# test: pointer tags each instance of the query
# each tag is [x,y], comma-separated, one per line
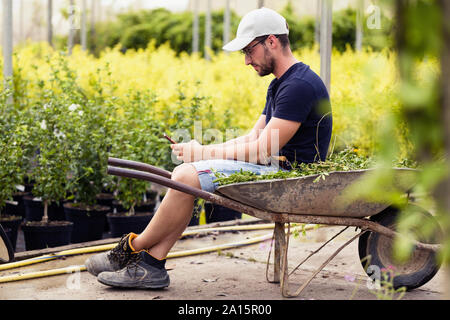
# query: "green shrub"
[301,30]
[15,147]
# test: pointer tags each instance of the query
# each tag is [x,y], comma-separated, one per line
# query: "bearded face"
[267,64]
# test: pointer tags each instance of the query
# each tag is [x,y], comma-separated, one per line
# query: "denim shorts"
[226,167]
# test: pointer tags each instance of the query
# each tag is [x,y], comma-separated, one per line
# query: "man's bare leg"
[172,216]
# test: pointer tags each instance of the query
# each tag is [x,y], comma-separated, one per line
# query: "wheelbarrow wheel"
[375,250]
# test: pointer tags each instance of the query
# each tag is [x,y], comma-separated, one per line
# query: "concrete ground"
[232,274]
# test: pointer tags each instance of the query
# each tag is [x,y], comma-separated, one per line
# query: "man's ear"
[273,41]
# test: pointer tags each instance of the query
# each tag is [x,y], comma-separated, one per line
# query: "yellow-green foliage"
[363,85]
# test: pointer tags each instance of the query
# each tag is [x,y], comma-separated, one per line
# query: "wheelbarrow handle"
[167,182]
[139,166]
[159,179]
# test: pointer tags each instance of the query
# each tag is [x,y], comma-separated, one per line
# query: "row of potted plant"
[59,141]
[14,146]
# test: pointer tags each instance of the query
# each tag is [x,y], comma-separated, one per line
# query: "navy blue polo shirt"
[300,95]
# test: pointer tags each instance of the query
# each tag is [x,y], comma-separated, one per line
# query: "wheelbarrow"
[311,200]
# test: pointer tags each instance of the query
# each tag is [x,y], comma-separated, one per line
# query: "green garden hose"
[175,254]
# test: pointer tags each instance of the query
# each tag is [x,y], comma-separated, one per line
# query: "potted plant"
[10,176]
[133,211]
[16,205]
[137,137]
[87,172]
[15,147]
[107,197]
[49,172]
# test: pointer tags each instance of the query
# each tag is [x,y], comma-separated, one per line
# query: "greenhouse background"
[84,80]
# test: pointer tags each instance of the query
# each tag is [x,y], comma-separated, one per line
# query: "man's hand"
[188,152]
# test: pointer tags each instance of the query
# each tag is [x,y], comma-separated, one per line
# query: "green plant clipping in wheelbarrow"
[336,187]
[346,160]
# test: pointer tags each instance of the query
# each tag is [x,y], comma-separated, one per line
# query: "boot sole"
[136,285]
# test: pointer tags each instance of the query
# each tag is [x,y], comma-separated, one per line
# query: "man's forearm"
[239,140]
[251,151]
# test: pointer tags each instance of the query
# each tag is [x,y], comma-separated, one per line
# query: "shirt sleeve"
[294,101]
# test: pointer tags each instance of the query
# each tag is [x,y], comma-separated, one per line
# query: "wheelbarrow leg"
[284,266]
[280,243]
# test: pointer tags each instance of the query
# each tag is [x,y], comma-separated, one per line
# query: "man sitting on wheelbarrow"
[295,125]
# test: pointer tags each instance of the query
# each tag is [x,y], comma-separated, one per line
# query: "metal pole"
[195,28]
[71,26]
[99,9]
[208,30]
[7,40]
[317,25]
[326,42]
[49,22]
[21,31]
[93,25]
[359,24]
[83,26]
[226,22]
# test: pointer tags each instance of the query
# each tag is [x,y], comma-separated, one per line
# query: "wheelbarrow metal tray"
[309,195]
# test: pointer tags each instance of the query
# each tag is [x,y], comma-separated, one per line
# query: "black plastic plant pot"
[12,223]
[148,206]
[28,184]
[105,199]
[39,235]
[151,195]
[17,208]
[117,207]
[216,213]
[88,222]
[121,223]
[56,212]
[34,210]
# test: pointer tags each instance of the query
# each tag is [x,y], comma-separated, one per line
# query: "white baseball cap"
[256,23]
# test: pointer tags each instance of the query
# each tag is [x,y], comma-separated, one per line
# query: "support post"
[359,24]
[226,22]
[208,34]
[49,22]
[317,22]
[21,21]
[7,41]
[92,31]
[70,38]
[83,25]
[195,28]
[326,42]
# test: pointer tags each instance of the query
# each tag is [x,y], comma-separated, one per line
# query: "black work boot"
[142,272]
[112,260]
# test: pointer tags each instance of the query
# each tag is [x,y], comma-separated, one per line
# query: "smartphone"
[168,138]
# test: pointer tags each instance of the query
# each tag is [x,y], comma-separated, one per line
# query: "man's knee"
[187,174]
